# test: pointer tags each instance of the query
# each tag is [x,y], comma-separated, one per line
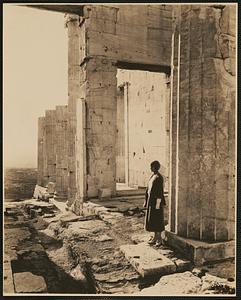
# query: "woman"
[155,202]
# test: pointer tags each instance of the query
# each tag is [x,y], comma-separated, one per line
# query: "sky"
[35,66]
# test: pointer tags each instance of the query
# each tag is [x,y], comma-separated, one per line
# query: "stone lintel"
[200,252]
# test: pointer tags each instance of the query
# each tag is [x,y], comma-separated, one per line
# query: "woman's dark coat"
[154,220]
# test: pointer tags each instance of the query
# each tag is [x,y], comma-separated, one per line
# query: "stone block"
[147,261]
[104,193]
[27,282]
[101,25]
[200,252]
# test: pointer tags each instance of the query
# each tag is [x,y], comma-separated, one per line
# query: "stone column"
[41,133]
[92,118]
[50,144]
[76,55]
[61,152]
[126,132]
[203,123]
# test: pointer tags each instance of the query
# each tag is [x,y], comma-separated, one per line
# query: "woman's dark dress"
[154,220]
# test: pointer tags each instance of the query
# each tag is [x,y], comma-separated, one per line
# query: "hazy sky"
[35,77]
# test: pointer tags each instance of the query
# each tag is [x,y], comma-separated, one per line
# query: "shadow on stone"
[57,280]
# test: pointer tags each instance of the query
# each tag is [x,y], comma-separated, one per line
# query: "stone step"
[150,261]
[131,192]
[147,261]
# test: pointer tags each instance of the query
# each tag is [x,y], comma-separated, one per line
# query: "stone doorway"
[142,126]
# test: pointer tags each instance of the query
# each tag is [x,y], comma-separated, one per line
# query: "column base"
[200,252]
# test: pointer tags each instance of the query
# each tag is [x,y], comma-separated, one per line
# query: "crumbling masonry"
[195,47]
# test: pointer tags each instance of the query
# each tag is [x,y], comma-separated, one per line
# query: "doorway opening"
[142,127]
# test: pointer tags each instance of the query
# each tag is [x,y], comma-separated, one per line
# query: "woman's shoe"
[151,241]
[159,243]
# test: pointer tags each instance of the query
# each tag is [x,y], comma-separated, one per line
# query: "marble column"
[203,128]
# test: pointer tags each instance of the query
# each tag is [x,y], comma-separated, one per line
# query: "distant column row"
[53,149]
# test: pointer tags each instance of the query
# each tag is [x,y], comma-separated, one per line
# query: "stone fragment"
[78,274]
[175,284]
[103,238]
[211,282]
[41,193]
[69,217]
[51,188]
[48,215]
[27,282]
[147,261]
[140,238]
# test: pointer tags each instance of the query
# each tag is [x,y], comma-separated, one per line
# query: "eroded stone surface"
[27,282]
[175,284]
[8,286]
[147,261]
[210,282]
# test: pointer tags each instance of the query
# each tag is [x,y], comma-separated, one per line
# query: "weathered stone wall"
[147,131]
[203,105]
[130,33]
[98,41]
[203,123]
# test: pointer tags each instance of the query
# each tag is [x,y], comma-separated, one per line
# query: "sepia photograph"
[119,149]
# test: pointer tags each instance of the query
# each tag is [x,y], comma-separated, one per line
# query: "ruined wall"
[147,132]
[98,41]
[203,123]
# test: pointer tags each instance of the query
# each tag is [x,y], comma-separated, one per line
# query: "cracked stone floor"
[105,251]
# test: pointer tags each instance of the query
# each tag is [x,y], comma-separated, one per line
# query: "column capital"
[69,18]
